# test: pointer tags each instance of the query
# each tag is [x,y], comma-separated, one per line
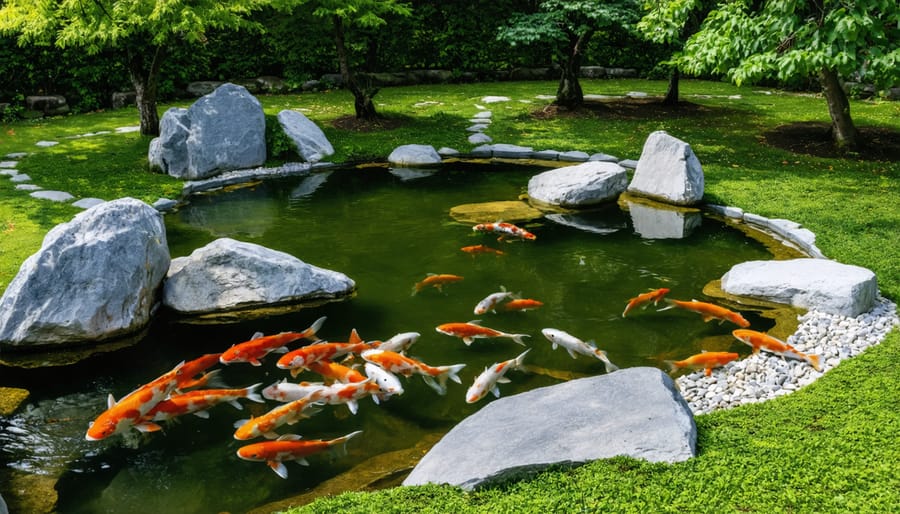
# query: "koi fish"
[348,394]
[493,375]
[435,376]
[197,402]
[505,230]
[476,249]
[289,447]
[643,300]
[285,391]
[399,343]
[130,411]
[522,304]
[259,346]
[435,281]
[706,361]
[387,381]
[288,413]
[761,341]
[709,311]
[470,331]
[335,371]
[574,345]
[190,369]
[301,358]
[490,302]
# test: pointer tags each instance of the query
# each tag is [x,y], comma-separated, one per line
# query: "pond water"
[386,232]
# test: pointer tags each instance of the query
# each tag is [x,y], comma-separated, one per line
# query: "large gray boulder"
[668,171]
[414,155]
[818,284]
[94,278]
[635,412]
[228,275]
[309,139]
[581,185]
[224,130]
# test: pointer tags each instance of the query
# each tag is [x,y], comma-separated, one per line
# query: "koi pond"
[386,230]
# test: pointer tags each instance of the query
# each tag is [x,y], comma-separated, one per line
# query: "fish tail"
[213,380]
[610,367]
[673,366]
[253,395]
[310,333]
[518,338]
[520,360]
[813,361]
[670,304]
[340,444]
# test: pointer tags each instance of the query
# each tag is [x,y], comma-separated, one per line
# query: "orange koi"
[505,230]
[761,341]
[643,300]
[470,331]
[259,346]
[190,370]
[522,304]
[705,360]
[436,281]
[335,371]
[287,413]
[709,311]
[300,359]
[477,249]
[435,376]
[197,402]
[130,411]
[289,447]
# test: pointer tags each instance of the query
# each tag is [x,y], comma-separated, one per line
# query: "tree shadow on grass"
[814,138]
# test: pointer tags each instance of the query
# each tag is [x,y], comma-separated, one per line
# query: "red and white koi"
[436,281]
[349,394]
[399,343]
[130,411]
[197,402]
[285,391]
[504,230]
[708,311]
[435,376]
[761,341]
[490,302]
[259,346]
[472,330]
[300,359]
[522,304]
[643,300]
[493,375]
[290,447]
[574,345]
[288,413]
[705,361]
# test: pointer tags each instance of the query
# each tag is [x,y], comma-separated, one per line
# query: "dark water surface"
[386,234]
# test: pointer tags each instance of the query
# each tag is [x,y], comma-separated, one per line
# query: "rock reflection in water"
[651,222]
[308,186]
[406,174]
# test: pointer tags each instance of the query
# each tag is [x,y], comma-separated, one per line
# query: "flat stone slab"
[494,99]
[21,177]
[28,187]
[635,412]
[46,144]
[16,155]
[87,203]
[480,138]
[819,284]
[8,164]
[54,196]
[10,172]
[512,211]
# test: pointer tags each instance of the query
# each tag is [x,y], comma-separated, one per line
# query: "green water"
[386,234]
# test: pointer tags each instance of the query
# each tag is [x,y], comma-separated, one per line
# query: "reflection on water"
[663,223]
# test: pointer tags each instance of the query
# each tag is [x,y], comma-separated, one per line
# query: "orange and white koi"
[477,249]
[399,342]
[472,330]
[336,372]
[435,376]
[705,361]
[491,376]
[259,346]
[130,411]
[387,382]
[574,345]
[504,230]
[300,359]
[197,402]
[761,341]
[285,391]
[349,394]
[436,281]
[708,311]
[288,413]
[643,300]
[290,447]
[522,304]
[490,302]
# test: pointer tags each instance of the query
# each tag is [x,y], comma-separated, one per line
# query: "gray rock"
[203,87]
[480,138]
[483,115]
[602,157]
[574,156]
[819,284]
[123,98]
[9,164]
[28,187]
[309,139]
[53,196]
[547,155]
[164,204]
[16,155]
[87,203]
[270,84]
[580,185]
[635,412]
[628,163]
[169,152]
[49,105]
[446,151]
[511,151]
[20,177]
[668,171]
[46,144]
[228,275]
[9,172]
[494,99]
[414,155]
[95,278]
[482,150]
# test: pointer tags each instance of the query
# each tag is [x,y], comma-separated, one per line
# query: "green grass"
[831,447]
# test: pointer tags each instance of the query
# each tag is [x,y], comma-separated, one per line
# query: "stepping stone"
[550,97]
[480,138]
[46,144]
[483,115]
[55,196]
[480,121]
[16,155]
[125,130]
[446,151]
[628,163]
[8,164]
[477,128]
[574,156]
[8,171]
[29,187]
[602,157]
[20,178]
[547,155]
[495,99]
[87,203]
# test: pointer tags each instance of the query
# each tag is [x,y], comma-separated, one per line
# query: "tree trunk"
[672,92]
[145,79]
[362,96]
[843,131]
[569,93]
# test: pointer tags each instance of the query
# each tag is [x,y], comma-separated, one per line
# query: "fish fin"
[707,372]
[302,461]
[475,322]
[241,422]
[234,403]
[147,426]
[468,340]
[310,333]
[813,361]
[610,367]
[354,337]
[295,372]
[202,414]
[496,391]
[110,400]
[375,399]
[672,366]
[520,359]
[503,380]
[572,353]
[255,362]
[281,349]
[253,395]
[432,383]
[256,335]
[270,435]
[278,467]
[518,338]
[554,345]
[670,305]
[290,437]
[353,405]
[214,380]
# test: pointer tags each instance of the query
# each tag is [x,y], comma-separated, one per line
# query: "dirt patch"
[354,124]
[627,109]
[814,138]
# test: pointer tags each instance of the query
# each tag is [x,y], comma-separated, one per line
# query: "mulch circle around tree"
[354,124]
[814,138]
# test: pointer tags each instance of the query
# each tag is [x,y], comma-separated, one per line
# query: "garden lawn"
[830,447]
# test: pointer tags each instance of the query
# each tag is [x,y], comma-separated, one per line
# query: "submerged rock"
[10,399]
[635,412]
[511,211]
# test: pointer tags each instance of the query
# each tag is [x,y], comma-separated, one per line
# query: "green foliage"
[278,144]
